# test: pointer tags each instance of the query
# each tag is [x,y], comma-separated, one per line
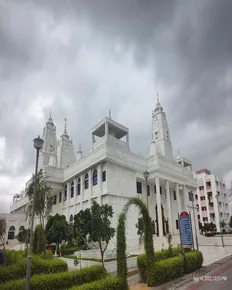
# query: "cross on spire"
[110,114]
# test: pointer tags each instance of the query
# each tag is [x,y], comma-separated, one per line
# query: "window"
[11,233]
[65,191]
[148,190]
[160,190]
[156,135]
[174,195]
[95,177]
[205,219]
[54,199]
[177,224]
[198,216]
[60,196]
[202,197]
[104,176]
[167,135]
[71,219]
[201,188]
[203,208]
[79,186]
[21,228]
[196,197]
[139,187]
[154,188]
[86,181]
[72,189]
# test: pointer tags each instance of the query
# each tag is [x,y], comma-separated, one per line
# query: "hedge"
[193,261]
[59,281]
[167,270]
[11,257]
[109,283]
[39,266]
[65,249]
[171,268]
[159,255]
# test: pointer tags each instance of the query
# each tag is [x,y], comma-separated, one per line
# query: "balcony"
[202,192]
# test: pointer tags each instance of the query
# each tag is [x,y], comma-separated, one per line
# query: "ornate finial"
[110,114]
[65,126]
[178,152]
[79,150]
[157,98]
[50,114]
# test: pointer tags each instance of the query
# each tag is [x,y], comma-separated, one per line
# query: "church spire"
[65,134]
[161,140]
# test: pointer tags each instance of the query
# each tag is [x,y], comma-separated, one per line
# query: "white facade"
[211,198]
[111,173]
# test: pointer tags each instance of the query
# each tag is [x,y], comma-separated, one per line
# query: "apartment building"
[211,198]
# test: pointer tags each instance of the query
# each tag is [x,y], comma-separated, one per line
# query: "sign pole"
[191,229]
[179,229]
[194,220]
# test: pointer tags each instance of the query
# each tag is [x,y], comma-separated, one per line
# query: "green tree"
[56,230]
[140,227]
[82,227]
[23,237]
[38,240]
[101,231]
[2,232]
[230,222]
[169,238]
[43,202]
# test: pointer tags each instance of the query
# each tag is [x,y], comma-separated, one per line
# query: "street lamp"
[38,145]
[146,175]
[217,196]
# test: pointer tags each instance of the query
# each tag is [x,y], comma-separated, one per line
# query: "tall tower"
[65,150]
[161,140]
[49,150]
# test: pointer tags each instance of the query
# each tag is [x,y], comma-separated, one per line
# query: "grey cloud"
[78,54]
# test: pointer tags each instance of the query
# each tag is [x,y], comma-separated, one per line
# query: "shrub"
[166,270]
[12,256]
[193,261]
[69,251]
[109,283]
[49,255]
[159,255]
[39,266]
[59,280]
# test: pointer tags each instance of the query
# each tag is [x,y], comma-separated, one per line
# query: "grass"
[92,259]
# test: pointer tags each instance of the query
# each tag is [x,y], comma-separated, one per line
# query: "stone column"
[68,199]
[99,177]
[106,129]
[169,208]
[178,197]
[90,186]
[82,191]
[75,190]
[158,198]
[128,140]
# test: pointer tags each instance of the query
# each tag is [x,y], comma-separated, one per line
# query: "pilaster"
[169,208]
[160,223]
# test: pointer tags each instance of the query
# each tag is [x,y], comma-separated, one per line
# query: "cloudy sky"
[82,58]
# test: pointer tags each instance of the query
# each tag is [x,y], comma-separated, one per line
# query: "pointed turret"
[66,154]
[79,153]
[161,141]
[50,143]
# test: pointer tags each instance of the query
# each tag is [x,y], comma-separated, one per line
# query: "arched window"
[94,177]
[86,181]
[11,233]
[65,191]
[71,219]
[79,186]
[21,228]
[72,189]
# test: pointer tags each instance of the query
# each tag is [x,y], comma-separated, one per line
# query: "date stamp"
[209,278]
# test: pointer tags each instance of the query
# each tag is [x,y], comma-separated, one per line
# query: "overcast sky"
[82,58]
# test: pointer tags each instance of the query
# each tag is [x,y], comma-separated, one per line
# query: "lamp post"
[191,197]
[146,175]
[38,145]
[217,196]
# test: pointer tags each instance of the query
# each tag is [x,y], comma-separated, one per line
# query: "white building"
[211,198]
[111,173]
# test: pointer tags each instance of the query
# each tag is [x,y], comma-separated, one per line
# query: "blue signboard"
[186,231]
